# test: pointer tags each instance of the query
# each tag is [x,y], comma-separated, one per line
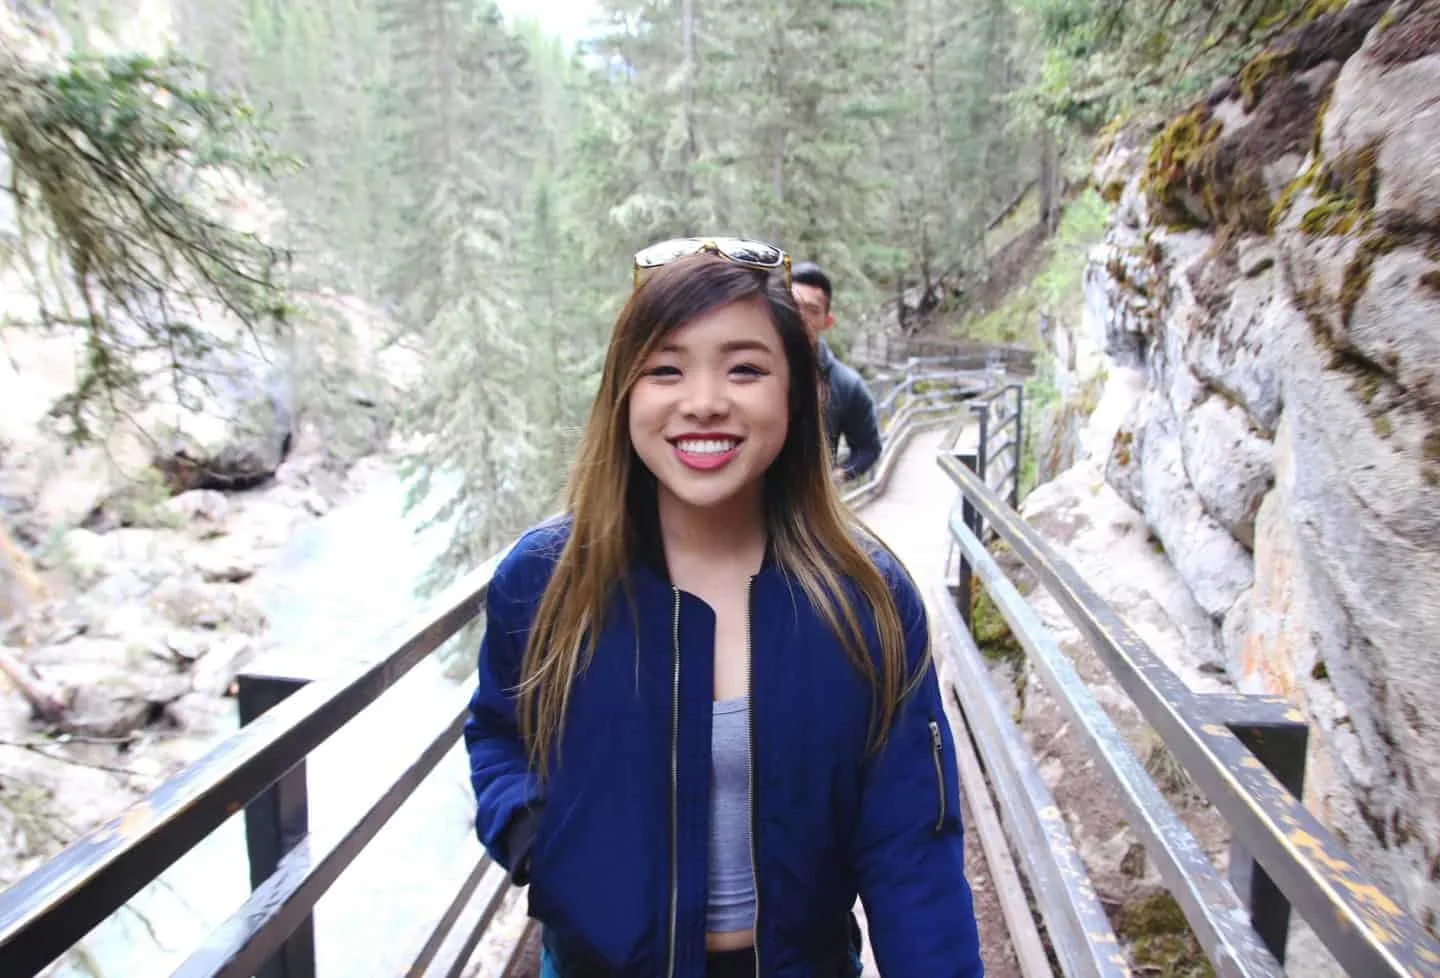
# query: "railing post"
[970,516]
[1281,748]
[1019,446]
[982,416]
[277,821]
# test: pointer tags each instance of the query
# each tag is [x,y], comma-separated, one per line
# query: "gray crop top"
[732,879]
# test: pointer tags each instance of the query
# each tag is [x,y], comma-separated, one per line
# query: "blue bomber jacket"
[617,869]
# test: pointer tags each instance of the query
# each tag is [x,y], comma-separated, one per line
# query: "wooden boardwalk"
[911,516]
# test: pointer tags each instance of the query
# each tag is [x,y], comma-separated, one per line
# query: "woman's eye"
[748,370]
[664,370]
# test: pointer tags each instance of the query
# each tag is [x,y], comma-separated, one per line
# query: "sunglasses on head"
[751,254]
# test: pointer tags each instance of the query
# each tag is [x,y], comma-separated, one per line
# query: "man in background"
[849,410]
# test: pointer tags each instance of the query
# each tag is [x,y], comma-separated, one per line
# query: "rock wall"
[1273,273]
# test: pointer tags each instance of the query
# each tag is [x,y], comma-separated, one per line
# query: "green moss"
[1178,159]
[992,633]
[1382,425]
[1388,20]
[1331,216]
[1161,942]
[1111,131]
[1319,672]
[1317,134]
[1292,190]
[1319,8]
[1168,773]
[1431,280]
[1258,71]
[1430,446]
[1367,385]
[1345,191]
[1357,272]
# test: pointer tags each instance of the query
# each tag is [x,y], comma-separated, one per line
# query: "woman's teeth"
[706,446]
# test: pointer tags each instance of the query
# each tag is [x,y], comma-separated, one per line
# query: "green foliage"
[1056,290]
[112,158]
[486,188]
[1143,57]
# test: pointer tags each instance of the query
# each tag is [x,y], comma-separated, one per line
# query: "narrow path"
[910,516]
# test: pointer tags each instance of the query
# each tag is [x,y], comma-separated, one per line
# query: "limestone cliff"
[1273,273]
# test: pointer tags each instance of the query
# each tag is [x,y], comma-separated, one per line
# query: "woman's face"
[711,408]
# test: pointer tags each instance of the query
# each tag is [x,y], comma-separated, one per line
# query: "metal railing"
[885,349]
[999,419]
[922,398]
[1244,753]
[261,770]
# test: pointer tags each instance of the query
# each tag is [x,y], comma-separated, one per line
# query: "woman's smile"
[706,453]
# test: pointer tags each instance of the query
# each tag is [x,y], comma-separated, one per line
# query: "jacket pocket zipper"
[937,751]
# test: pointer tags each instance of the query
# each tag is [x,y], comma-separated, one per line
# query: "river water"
[340,587]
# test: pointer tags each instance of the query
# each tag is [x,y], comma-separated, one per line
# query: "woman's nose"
[705,397]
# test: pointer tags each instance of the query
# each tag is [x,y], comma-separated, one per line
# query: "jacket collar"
[823,357]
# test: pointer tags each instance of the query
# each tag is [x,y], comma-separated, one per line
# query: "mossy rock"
[1161,941]
[1259,70]
[1357,272]
[1202,175]
[1407,32]
[1198,175]
[1343,193]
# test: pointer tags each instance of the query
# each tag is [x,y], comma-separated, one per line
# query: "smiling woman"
[710,410]
[705,718]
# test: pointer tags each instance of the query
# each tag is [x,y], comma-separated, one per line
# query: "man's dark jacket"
[849,411]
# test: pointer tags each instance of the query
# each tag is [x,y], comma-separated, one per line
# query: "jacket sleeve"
[507,793]
[908,847]
[862,432]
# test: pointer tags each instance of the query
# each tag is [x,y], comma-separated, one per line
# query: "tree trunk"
[1049,182]
[687,45]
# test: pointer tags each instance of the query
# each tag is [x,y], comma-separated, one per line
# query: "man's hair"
[809,273]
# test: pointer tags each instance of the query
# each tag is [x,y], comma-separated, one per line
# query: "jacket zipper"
[754,804]
[937,751]
[674,780]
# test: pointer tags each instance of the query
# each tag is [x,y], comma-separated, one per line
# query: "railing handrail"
[58,903]
[1364,929]
[887,348]
[898,426]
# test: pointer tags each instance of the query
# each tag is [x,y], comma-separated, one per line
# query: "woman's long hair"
[612,500]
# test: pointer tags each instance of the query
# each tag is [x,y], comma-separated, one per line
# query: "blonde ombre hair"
[611,495]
